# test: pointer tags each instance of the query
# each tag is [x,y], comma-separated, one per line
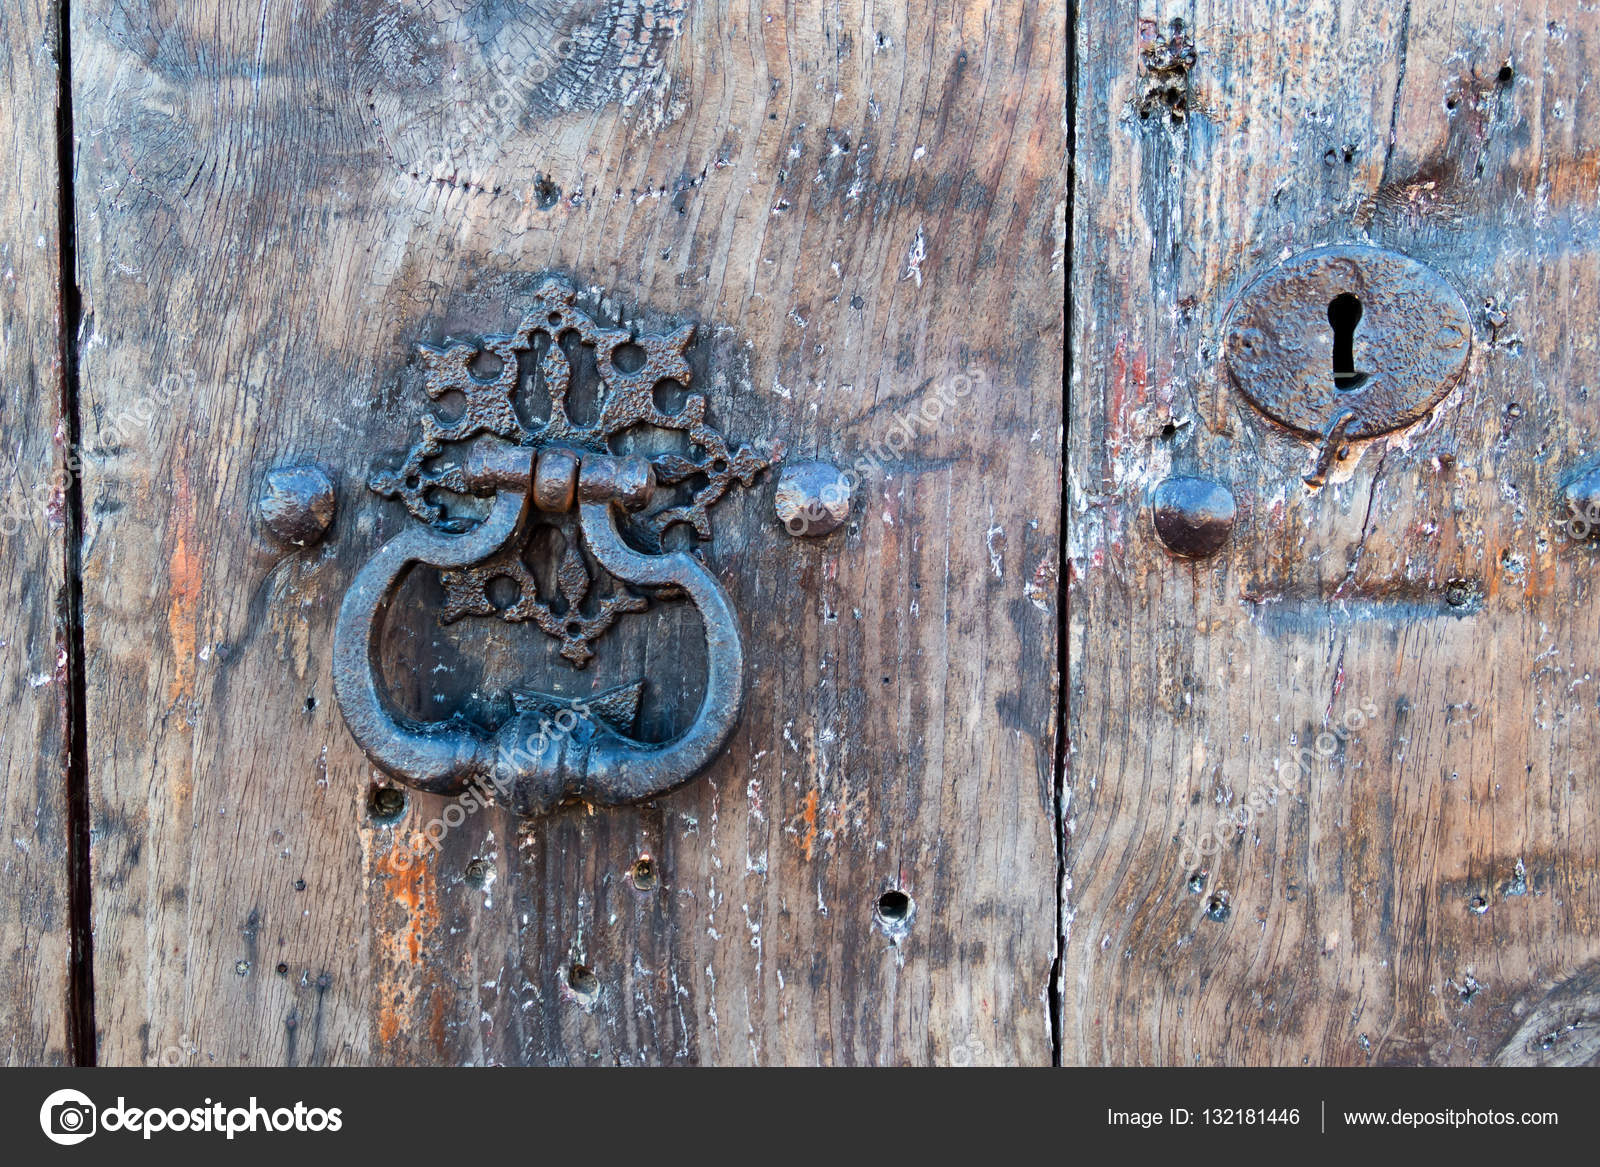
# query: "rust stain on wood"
[808,819]
[410,995]
[183,591]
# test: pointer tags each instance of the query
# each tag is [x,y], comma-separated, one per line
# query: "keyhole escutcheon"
[1396,341]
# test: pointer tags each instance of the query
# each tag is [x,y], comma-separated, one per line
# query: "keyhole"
[1344,315]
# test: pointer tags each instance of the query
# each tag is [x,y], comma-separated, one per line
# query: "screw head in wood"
[813,498]
[297,504]
[1193,516]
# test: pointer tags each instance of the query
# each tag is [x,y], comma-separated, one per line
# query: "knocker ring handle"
[532,763]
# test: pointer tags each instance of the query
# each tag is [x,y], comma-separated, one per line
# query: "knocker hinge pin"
[558,478]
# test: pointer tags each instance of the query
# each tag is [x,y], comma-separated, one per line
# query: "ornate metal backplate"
[585,601]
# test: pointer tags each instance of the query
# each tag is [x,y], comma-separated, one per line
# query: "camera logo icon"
[67,1117]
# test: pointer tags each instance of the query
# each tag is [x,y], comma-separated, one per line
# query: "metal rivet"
[813,498]
[1193,516]
[386,804]
[297,504]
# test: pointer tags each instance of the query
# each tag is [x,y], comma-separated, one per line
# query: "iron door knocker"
[550,749]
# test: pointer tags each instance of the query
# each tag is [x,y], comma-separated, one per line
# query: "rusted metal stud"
[627,479]
[297,504]
[813,498]
[1193,516]
[555,480]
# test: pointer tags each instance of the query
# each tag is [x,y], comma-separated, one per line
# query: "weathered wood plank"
[35,928]
[855,208]
[1434,881]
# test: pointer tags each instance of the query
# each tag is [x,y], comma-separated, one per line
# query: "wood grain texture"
[278,203]
[35,927]
[1432,888]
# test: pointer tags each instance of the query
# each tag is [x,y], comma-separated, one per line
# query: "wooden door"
[1322,796]
[1424,891]
[276,205]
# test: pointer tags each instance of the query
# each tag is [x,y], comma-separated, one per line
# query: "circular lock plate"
[1410,344]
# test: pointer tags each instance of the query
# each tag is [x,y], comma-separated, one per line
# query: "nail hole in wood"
[894,913]
[386,804]
[643,873]
[584,984]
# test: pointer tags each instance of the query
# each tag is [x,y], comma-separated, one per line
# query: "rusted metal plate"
[1409,340]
